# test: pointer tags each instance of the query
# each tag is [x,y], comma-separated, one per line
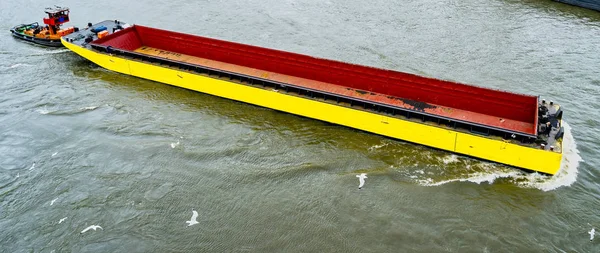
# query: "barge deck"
[442,111]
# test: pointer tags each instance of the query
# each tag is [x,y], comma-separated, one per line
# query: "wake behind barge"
[508,128]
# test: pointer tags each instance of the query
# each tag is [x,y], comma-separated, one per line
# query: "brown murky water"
[135,157]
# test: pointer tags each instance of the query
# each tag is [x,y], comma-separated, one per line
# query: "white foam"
[44,110]
[56,112]
[450,159]
[15,66]
[478,178]
[566,175]
[88,108]
[378,146]
[19,65]
[32,167]
[59,51]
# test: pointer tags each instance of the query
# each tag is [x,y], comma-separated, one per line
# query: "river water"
[135,157]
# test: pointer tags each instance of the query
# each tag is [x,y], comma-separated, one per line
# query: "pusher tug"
[50,33]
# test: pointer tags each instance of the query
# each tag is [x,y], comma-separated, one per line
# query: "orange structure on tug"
[514,129]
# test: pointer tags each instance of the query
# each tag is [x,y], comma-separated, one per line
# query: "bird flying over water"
[192,221]
[94,227]
[61,220]
[592,233]
[361,180]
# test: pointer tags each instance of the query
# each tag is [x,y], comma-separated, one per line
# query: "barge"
[514,129]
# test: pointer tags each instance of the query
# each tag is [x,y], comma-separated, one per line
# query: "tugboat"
[50,33]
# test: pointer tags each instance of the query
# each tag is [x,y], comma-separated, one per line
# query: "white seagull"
[193,220]
[361,179]
[94,227]
[63,219]
[52,202]
[592,233]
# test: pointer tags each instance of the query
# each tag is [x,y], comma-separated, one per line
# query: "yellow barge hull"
[438,137]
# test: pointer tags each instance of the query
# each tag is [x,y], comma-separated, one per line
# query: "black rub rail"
[312,93]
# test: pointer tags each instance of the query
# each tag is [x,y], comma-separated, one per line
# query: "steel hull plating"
[438,137]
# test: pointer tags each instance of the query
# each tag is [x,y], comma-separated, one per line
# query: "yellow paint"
[508,153]
[441,138]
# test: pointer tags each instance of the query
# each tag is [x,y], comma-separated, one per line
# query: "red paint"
[493,104]
[127,39]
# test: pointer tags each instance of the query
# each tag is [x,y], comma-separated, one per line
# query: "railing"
[379,108]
